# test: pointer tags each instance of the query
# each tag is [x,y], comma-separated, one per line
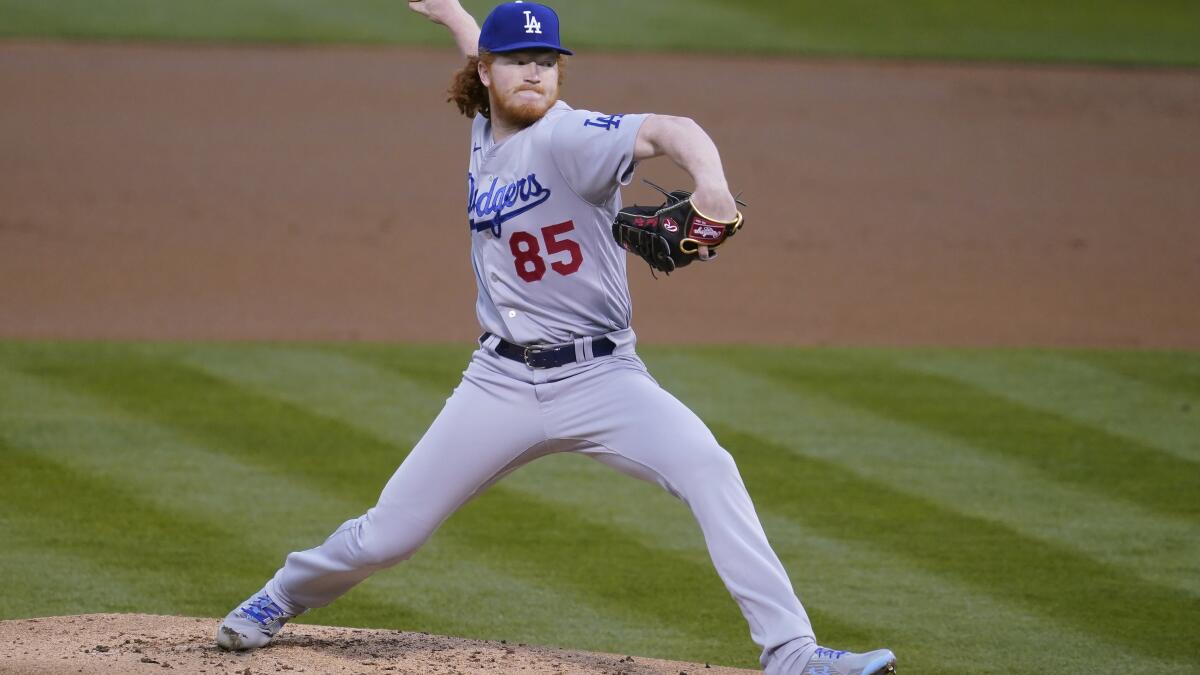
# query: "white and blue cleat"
[252,624]
[834,662]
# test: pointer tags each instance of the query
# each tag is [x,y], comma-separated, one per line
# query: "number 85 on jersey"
[527,252]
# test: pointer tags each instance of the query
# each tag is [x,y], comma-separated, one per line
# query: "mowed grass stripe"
[439,368]
[1158,31]
[440,590]
[1177,372]
[80,515]
[259,508]
[161,466]
[1053,581]
[784,413]
[394,407]
[1014,29]
[1064,450]
[1160,549]
[858,595]
[40,580]
[601,565]
[482,602]
[222,20]
[847,441]
[531,478]
[255,429]
[934,622]
[1049,549]
[1075,390]
[200,405]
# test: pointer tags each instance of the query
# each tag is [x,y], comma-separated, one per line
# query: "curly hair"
[468,92]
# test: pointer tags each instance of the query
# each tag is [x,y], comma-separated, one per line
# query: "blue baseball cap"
[518,25]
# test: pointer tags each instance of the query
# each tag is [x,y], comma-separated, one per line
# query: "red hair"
[468,92]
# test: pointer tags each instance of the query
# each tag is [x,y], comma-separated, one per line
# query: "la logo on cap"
[532,25]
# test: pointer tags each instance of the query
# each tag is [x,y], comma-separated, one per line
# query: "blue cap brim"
[518,46]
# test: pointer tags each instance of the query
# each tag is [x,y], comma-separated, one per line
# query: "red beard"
[520,114]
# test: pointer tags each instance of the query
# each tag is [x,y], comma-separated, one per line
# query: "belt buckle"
[532,351]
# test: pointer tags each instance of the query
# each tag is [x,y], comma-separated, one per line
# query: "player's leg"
[488,427]
[635,426]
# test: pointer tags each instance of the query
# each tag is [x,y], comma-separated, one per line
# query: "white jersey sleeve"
[594,152]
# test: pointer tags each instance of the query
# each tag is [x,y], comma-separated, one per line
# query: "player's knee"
[380,546]
[712,464]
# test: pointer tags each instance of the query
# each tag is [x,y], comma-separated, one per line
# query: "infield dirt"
[139,643]
[171,192]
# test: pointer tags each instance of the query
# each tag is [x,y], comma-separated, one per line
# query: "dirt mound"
[142,643]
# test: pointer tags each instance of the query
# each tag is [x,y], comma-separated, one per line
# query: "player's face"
[523,85]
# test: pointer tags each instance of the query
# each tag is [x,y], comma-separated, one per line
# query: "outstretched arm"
[686,144]
[451,14]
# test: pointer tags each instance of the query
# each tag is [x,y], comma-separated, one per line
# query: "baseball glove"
[673,234]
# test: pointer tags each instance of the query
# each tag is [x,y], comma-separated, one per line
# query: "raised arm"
[451,14]
[686,144]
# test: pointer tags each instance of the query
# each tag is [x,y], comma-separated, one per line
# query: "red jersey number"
[527,256]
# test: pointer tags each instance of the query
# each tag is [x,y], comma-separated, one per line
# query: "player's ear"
[485,75]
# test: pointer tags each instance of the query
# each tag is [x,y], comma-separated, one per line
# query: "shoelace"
[263,610]
[830,654]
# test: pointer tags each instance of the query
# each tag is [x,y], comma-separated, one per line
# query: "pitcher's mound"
[140,643]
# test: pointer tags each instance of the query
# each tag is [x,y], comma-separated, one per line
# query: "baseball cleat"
[252,624]
[834,662]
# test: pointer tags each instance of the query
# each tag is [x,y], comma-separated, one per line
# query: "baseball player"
[556,369]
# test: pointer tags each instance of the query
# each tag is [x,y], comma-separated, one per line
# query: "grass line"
[1154,416]
[120,541]
[1177,372]
[934,622]
[1006,29]
[251,428]
[1062,449]
[439,590]
[1050,580]
[119,534]
[1106,31]
[1164,550]
[895,532]
[603,566]
[364,417]
[394,406]
[160,465]
[507,530]
[60,581]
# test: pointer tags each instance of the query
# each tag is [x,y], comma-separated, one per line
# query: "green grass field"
[979,511]
[1104,31]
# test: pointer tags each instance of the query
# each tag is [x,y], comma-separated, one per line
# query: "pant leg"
[489,426]
[627,421]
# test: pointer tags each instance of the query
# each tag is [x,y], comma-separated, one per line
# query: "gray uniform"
[554,187]
[540,207]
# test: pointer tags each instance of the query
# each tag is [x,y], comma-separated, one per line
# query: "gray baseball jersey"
[540,206]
